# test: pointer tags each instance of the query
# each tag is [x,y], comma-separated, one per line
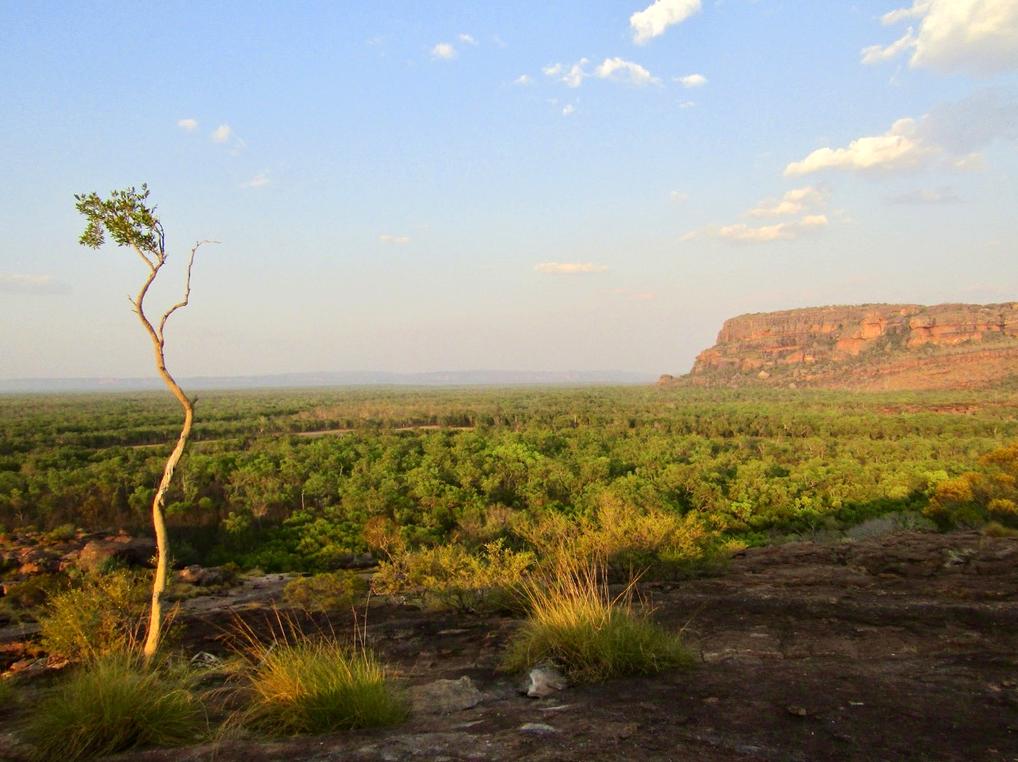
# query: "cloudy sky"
[532,186]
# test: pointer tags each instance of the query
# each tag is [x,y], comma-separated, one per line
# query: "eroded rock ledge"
[870,346]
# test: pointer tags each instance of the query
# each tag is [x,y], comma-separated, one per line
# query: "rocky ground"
[897,647]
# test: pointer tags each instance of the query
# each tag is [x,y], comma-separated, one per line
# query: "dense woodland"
[291,479]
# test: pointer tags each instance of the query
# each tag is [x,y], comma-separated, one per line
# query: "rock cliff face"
[870,346]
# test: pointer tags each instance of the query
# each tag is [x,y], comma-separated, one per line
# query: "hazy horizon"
[544,189]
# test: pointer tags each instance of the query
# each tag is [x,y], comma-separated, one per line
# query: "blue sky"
[533,186]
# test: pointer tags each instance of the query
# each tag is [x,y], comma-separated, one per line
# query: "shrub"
[623,538]
[113,704]
[33,592]
[63,533]
[576,623]
[995,529]
[300,684]
[104,616]
[325,592]
[6,692]
[449,576]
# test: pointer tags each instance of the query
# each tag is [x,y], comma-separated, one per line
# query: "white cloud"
[950,135]
[782,231]
[614,69]
[443,51]
[523,79]
[692,80]
[18,283]
[569,268]
[901,147]
[653,20]
[875,54]
[222,133]
[975,36]
[394,240]
[258,181]
[795,201]
[189,125]
[678,197]
[687,104]
[568,109]
[466,39]
[625,71]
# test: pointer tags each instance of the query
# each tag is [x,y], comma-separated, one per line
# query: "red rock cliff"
[867,346]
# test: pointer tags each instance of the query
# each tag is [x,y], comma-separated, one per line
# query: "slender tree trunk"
[155,622]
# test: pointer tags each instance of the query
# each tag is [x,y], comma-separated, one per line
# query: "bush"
[63,533]
[104,616]
[449,576]
[299,684]
[33,592]
[111,705]
[325,592]
[995,529]
[6,692]
[623,538]
[577,624]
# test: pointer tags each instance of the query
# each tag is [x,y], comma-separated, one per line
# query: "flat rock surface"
[902,647]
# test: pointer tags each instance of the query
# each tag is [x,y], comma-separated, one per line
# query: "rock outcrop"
[870,346]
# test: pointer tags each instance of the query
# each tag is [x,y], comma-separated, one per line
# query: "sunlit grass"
[308,684]
[113,704]
[592,635]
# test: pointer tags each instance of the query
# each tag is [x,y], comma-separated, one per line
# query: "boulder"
[445,696]
[123,550]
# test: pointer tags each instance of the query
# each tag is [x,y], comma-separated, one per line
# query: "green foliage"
[450,576]
[114,704]
[623,538]
[102,617]
[30,594]
[125,215]
[749,464]
[299,684]
[6,692]
[325,592]
[977,497]
[63,533]
[592,635]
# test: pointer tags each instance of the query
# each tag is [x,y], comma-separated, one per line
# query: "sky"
[410,187]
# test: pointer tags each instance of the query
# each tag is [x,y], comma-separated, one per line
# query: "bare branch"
[187,290]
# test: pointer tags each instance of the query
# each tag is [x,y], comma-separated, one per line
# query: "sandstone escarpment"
[876,346]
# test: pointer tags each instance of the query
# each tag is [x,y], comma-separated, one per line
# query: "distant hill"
[868,346]
[349,378]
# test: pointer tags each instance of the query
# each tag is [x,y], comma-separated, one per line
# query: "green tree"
[129,220]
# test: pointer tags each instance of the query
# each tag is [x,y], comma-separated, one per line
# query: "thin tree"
[131,222]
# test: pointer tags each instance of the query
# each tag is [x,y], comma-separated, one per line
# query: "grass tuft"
[576,623]
[114,704]
[301,684]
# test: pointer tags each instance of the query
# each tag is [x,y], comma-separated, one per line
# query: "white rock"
[544,681]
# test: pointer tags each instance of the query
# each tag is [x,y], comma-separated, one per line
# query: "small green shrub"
[103,616]
[996,529]
[113,704]
[325,592]
[576,623]
[63,533]
[31,593]
[6,693]
[299,684]
[450,576]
